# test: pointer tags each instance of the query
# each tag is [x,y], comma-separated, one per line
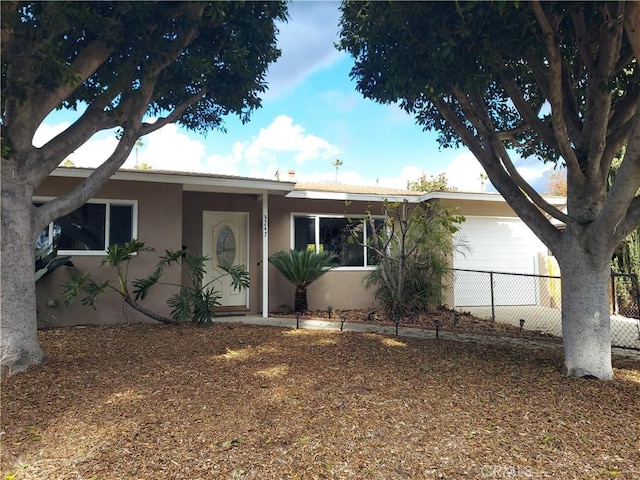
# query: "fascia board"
[481,197]
[192,183]
[354,197]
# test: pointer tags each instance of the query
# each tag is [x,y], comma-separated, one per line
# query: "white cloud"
[226,164]
[283,136]
[164,149]
[46,132]
[464,172]
[410,173]
[169,149]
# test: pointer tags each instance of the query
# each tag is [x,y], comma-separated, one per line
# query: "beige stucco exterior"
[170,209]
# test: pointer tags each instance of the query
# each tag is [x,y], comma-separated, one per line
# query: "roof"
[209,182]
[190,181]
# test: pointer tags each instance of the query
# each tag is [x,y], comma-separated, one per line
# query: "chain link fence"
[533,302]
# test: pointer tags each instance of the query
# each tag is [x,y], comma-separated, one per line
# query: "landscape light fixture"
[329,310]
[342,320]
[521,324]
[436,323]
[456,319]
[297,320]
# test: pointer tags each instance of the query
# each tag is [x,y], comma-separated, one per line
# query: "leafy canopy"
[185,62]
[558,80]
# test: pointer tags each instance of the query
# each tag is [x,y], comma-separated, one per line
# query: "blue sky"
[311,116]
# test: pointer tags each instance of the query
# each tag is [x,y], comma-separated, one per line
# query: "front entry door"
[225,241]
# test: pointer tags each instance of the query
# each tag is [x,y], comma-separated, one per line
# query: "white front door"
[225,240]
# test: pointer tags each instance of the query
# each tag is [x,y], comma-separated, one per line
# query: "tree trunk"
[19,347]
[586,322]
[301,304]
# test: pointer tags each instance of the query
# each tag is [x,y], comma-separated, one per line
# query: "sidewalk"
[411,332]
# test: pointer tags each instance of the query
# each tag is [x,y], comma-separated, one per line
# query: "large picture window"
[91,228]
[335,235]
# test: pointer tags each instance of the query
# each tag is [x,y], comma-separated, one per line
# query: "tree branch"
[62,145]
[555,96]
[598,96]
[85,65]
[582,36]
[530,117]
[632,26]
[624,190]
[131,132]
[171,118]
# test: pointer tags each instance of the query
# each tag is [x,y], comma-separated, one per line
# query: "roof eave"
[353,197]
[189,182]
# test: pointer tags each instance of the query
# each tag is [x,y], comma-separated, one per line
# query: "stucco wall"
[159,212]
[338,288]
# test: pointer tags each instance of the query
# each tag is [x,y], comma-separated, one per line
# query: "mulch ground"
[448,321]
[234,401]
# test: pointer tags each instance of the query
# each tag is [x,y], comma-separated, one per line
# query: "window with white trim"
[90,229]
[334,234]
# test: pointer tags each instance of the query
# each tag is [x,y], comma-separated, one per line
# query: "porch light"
[342,320]
[329,310]
[436,323]
[521,324]
[297,320]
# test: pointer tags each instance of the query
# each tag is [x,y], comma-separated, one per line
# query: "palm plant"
[301,268]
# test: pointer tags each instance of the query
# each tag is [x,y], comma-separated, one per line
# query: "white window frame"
[316,217]
[103,201]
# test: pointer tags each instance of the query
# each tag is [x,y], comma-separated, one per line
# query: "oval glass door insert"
[225,246]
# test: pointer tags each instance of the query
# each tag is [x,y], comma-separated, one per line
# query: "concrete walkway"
[411,332]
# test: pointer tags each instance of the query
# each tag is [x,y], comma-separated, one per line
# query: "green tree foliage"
[558,81]
[438,183]
[414,248]
[302,268]
[117,65]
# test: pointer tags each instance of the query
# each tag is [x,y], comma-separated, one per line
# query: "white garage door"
[499,245]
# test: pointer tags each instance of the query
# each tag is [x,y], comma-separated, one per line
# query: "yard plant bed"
[234,401]
[450,321]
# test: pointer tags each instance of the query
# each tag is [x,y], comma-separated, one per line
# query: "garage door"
[498,245]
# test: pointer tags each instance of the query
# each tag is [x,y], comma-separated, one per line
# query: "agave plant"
[301,268]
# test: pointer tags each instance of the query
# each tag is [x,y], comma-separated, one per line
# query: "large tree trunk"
[586,323]
[19,347]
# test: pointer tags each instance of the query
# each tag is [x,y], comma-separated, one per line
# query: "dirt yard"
[248,402]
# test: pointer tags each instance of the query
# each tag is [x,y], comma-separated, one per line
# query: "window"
[335,235]
[91,228]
